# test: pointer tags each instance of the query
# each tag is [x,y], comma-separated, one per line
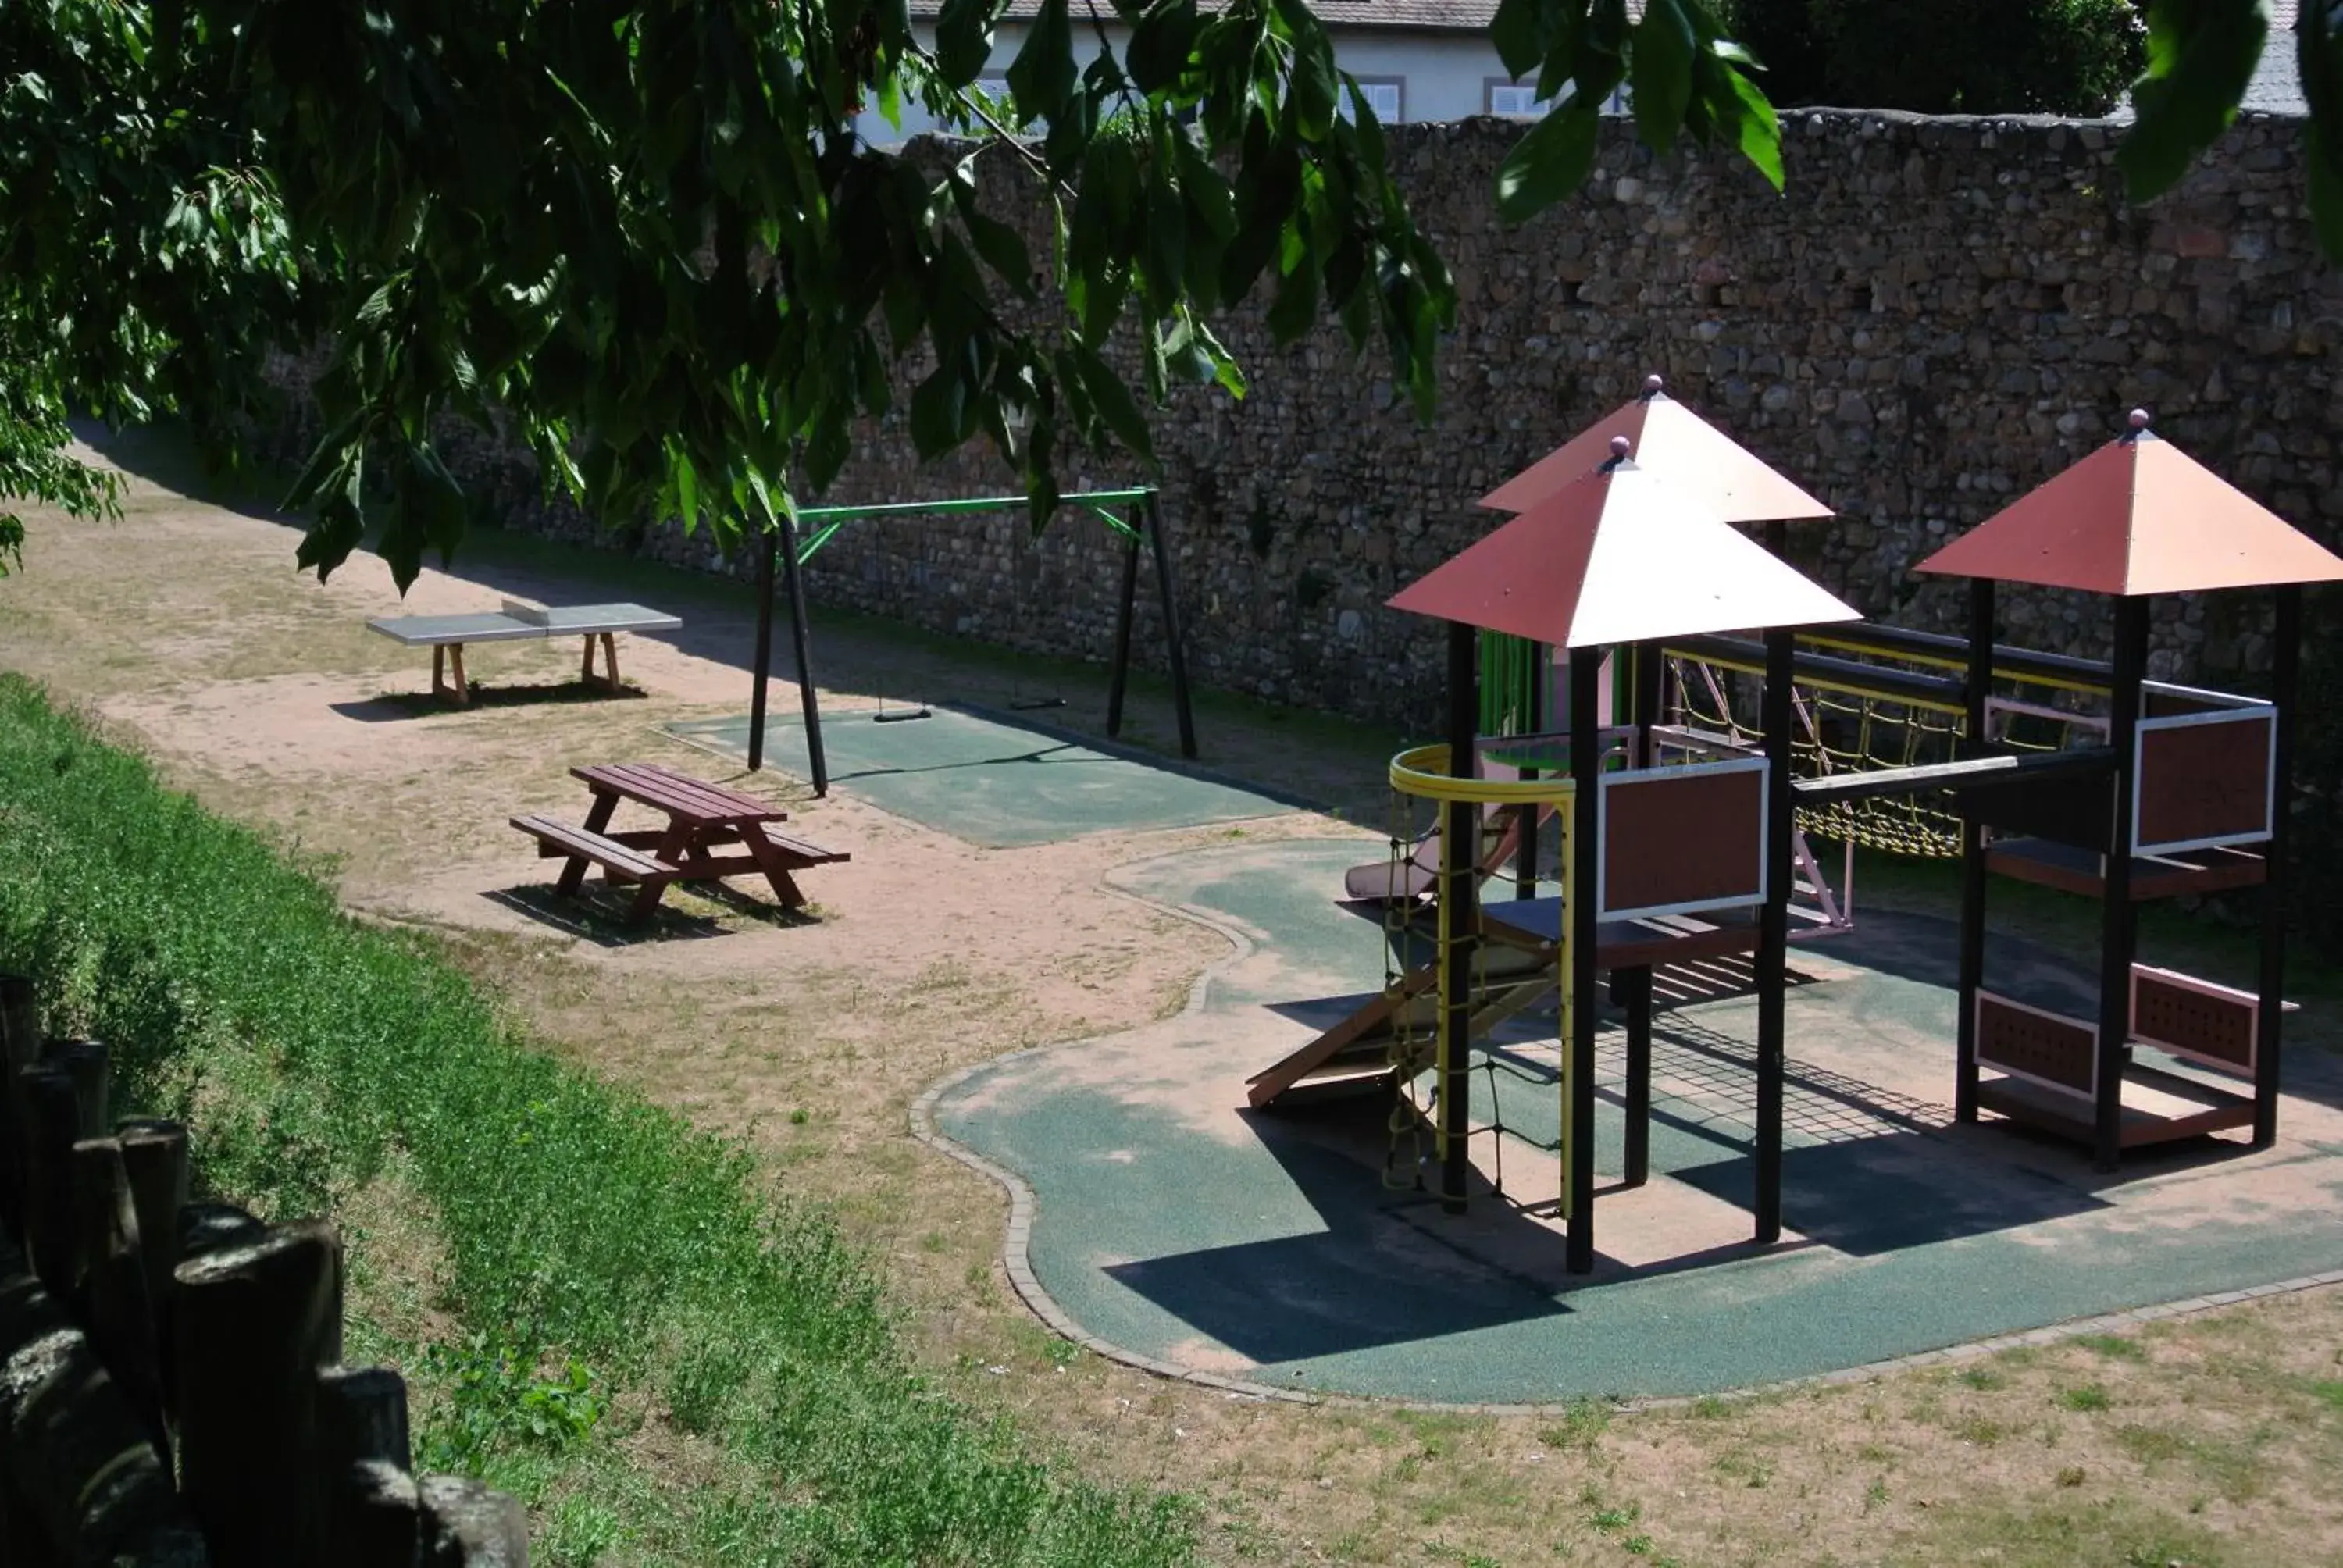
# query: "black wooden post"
[372,1512]
[2117,920]
[254,1324]
[764,656]
[1126,606]
[1458,918]
[20,1048]
[1774,932]
[802,639]
[2286,673]
[1982,631]
[1578,908]
[1525,815]
[1634,987]
[1173,643]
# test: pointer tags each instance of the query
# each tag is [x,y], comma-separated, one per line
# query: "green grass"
[600,1261]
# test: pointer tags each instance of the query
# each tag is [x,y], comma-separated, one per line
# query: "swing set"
[1135,516]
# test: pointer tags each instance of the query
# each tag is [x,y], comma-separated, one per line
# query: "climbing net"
[1845,731]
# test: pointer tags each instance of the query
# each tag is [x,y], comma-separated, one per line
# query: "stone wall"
[1938,315]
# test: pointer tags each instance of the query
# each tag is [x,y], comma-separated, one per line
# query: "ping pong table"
[446,636]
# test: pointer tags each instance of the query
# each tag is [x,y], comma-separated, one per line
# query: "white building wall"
[1442,75]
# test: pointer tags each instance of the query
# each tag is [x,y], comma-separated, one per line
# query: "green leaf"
[1313,84]
[2201,54]
[1295,308]
[2326,186]
[1160,46]
[1206,191]
[2318,65]
[938,406]
[1041,78]
[1662,60]
[964,40]
[1112,401]
[1520,33]
[1548,162]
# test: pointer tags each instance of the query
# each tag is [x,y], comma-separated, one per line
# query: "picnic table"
[701,819]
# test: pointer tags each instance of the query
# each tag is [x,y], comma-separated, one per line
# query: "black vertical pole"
[1123,610]
[1774,932]
[801,637]
[1459,841]
[2116,916]
[1982,630]
[766,544]
[2285,672]
[1634,987]
[1526,815]
[1171,639]
[1578,908]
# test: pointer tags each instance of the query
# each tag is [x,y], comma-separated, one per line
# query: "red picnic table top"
[686,800]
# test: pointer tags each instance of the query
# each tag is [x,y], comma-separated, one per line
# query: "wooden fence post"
[467,1525]
[373,1511]
[82,1473]
[116,1310]
[20,1048]
[63,1099]
[253,1324]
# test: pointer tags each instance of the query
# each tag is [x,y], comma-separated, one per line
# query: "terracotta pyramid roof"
[1667,436]
[2137,516]
[1619,554]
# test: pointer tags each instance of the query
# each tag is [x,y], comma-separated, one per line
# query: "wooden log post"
[372,1509]
[155,1159]
[253,1323]
[86,1482]
[62,1101]
[20,1048]
[116,1311]
[467,1525]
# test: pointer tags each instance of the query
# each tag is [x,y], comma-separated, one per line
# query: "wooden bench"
[799,854]
[619,862]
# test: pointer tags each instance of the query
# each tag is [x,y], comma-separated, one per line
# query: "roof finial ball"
[2138,418]
[1653,385]
[1620,447]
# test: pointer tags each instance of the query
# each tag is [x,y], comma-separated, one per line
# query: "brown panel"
[2053,1050]
[2211,1023]
[1683,838]
[2203,780]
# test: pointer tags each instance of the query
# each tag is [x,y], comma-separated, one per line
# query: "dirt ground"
[2205,1440]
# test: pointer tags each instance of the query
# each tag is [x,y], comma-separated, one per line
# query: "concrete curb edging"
[1017,1247]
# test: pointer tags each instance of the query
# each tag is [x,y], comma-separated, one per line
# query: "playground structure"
[1684,823]
[1664,859]
[1136,515]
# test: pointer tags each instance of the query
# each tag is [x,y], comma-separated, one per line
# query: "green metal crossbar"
[832,518]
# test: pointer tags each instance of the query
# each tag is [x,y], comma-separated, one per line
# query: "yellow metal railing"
[1422,772]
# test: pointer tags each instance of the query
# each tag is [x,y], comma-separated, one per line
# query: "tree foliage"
[647,238]
[1945,57]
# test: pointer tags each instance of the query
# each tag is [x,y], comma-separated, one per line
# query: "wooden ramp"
[1355,1056]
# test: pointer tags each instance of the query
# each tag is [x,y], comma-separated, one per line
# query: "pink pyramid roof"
[2137,516]
[1667,436]
[1619,554]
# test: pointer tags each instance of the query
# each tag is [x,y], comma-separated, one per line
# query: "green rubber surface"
[1174,1222]
[990,779]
